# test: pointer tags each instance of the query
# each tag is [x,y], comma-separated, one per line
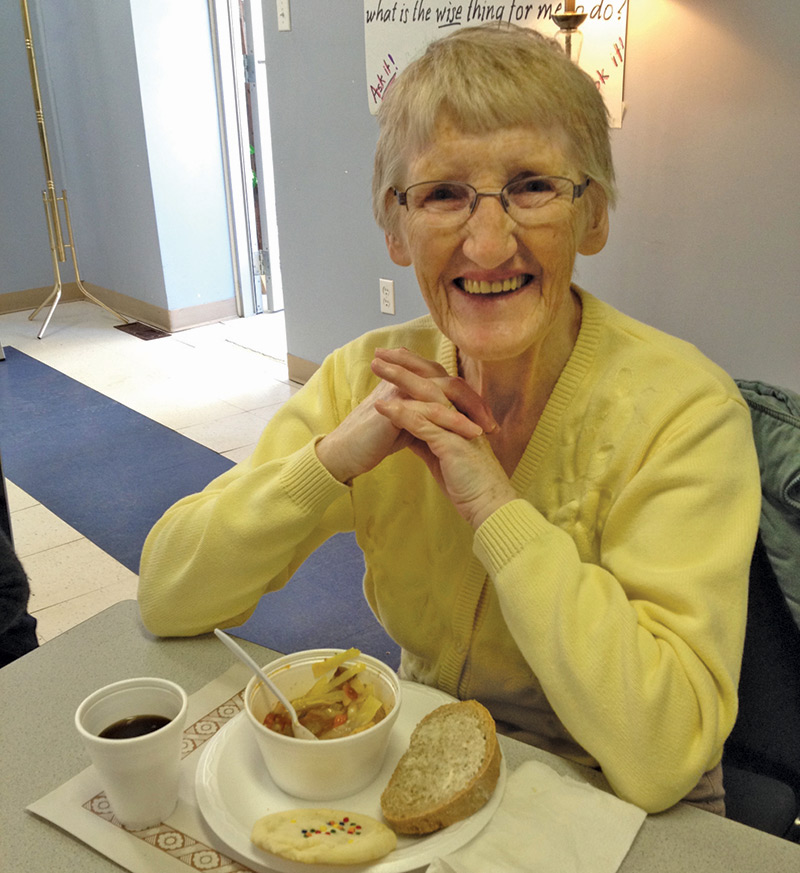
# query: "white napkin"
[547,822]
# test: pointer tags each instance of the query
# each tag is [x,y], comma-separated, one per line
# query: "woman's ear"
[395,238]
[398,250]
[595,232]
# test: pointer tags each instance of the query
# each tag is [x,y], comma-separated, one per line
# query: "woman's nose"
[490,238]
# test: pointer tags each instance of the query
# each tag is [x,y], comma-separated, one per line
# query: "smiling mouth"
[471,286]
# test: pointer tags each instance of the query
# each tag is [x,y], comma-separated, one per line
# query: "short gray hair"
[483,78]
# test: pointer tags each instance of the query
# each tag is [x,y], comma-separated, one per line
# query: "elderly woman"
[557,504]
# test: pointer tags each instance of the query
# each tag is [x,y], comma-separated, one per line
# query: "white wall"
[181,124]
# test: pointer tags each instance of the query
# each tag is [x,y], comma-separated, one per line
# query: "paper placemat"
[183,842]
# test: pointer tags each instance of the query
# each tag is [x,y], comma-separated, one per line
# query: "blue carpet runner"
[110,473]
[322,605]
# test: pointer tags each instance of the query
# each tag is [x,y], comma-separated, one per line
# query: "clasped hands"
[419,406]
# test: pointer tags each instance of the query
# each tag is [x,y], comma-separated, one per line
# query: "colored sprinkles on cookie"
[324,836]
[343,826]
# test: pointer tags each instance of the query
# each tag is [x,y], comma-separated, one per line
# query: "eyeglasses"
[526,200]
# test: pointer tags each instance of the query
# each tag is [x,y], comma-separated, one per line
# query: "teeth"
[473,287]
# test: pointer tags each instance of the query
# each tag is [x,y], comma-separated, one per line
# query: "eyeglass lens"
[454,201]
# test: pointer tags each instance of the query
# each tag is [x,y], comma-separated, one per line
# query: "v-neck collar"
[580,360]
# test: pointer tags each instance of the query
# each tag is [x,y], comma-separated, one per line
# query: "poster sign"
[397,31]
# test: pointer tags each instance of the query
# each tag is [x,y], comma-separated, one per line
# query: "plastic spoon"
[298,730]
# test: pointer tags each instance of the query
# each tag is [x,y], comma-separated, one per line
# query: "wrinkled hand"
[417,405]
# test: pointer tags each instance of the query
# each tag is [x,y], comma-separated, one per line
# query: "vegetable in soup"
[340,703]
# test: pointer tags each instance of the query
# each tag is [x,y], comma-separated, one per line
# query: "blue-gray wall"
[704,243]
[332,252]
[24,259]
[131,117]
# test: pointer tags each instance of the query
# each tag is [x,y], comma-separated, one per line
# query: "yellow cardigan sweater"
[599,616]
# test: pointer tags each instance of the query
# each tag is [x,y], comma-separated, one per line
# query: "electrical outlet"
[387,296]
[284,15]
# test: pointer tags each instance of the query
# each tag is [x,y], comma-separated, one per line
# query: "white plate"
[234,790]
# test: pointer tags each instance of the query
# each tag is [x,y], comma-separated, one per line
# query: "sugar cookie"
[323,836]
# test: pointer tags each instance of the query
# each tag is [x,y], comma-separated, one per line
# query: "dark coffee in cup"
[135,726]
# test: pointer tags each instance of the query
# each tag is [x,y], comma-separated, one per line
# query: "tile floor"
[217,384]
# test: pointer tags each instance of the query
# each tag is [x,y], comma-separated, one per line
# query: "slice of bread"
[448,773]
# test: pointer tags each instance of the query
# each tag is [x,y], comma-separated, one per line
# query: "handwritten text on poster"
[396,31]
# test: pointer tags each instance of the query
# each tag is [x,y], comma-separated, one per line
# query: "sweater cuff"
[307,482]
[506,532]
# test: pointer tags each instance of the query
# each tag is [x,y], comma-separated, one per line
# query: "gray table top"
[40,751]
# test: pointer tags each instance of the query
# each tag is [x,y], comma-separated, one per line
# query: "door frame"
[230,73]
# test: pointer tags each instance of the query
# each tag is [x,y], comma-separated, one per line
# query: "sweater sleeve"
[639,652]
[212,555]
[17,626]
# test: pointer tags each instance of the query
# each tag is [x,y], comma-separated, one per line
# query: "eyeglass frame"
[578,191]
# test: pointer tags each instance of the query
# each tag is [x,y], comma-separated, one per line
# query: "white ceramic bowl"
[320,769]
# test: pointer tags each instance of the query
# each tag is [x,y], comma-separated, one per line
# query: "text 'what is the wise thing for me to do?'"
[452,14]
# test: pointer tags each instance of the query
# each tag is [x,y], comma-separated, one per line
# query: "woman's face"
[526,270]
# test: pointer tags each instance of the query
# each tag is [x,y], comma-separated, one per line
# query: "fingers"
[468,401]
[411,361]
[467,470]
[416,418]
[428,381]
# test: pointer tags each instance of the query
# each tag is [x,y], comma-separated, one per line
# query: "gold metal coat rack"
[51,201]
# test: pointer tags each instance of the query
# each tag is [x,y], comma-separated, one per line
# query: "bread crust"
[462,803]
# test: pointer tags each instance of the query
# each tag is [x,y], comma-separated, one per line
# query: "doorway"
[237,30]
